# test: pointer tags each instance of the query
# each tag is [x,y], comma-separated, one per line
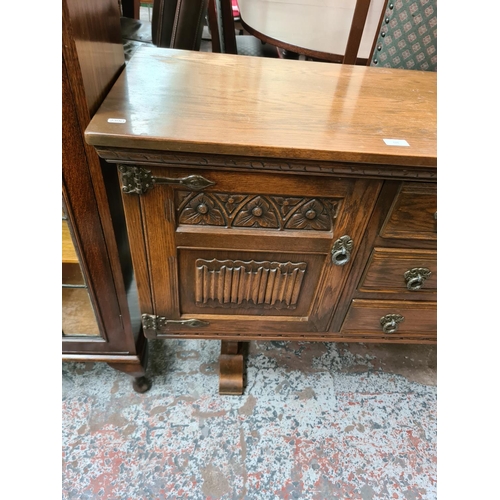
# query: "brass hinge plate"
[152,322]
[138,180]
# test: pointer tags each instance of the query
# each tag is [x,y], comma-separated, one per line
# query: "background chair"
[362,23]
[224,39]
[176,24]
[407,36]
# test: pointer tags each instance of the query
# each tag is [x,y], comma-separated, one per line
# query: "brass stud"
[386,20]
[379,47]
[382,34]
[391,6]
[375,61]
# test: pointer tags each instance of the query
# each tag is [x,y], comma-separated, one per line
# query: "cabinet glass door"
[78,316]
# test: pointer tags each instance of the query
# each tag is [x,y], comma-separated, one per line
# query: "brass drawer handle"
[416,277]
[390,322]
[341,251]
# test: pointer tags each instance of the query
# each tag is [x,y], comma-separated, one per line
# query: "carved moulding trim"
[166,158]
[256,211]
[245,284]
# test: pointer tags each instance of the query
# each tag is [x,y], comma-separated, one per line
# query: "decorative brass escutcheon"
[341,251]
[416,277]
[390,322]
[138,180]
[152,322]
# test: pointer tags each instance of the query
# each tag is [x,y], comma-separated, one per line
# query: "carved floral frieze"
[256,211]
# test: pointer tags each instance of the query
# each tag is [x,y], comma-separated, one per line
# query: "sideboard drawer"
[387,317]
[395,270]
[413,214]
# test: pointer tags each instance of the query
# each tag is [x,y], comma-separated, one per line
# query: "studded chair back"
[407,37]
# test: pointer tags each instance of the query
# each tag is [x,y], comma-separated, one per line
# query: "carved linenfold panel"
[256,211]
[235,283]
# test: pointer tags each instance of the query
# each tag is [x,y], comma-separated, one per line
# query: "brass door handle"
[416,277]
[390,322]
[341,250]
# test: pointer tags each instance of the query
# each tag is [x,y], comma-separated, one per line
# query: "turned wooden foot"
[141,384]
[231,368]
[136,368]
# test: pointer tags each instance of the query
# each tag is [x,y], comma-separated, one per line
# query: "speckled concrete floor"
[317,421]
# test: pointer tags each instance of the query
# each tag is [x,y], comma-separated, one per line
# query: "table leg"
[288,54]
[231,368]
[131,8]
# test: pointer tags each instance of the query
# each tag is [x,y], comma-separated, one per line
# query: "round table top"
[316,28]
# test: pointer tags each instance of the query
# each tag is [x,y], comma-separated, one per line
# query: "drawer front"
[244,253]
[386,318]
[413,213]
[394,270]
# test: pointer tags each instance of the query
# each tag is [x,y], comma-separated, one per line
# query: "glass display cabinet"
[78,315]
[100,314]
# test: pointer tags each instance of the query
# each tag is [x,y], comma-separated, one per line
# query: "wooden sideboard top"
[184,101]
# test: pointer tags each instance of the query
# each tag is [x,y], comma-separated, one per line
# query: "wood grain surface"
[174,100]
[420,318]
[412,215]
[166,253]
[387,266]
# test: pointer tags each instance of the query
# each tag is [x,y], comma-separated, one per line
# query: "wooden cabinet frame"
[89,193]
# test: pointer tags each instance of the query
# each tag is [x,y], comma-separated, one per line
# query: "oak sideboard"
[275,199]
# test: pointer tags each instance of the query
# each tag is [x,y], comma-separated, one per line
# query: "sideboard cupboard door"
[224,254]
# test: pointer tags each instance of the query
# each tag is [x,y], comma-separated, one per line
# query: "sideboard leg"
[136,368]
[231,368]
